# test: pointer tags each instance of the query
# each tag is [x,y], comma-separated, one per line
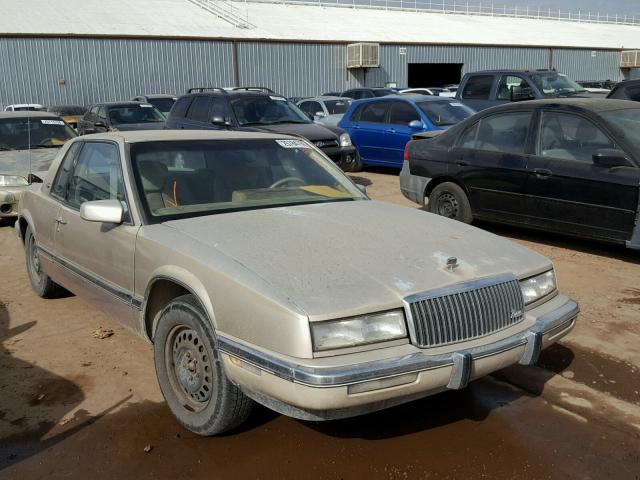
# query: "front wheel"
[190,371]
[450,200]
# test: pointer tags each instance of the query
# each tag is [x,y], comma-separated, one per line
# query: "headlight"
[13,181]
[345,140]
[376,327]
[535,288]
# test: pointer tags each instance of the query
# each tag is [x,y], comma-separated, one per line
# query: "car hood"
[310,131]
[126,127]
[349,258]
[22,162]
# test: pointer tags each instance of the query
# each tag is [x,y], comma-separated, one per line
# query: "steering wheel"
[286,180]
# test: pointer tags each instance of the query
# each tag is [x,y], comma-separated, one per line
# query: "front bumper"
[413,187]
[341,156]
[9,198]
[322,393]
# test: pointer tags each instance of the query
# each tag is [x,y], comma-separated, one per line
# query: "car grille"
[326,143]
[465,311]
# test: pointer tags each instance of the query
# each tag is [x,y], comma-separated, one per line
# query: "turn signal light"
[406,152]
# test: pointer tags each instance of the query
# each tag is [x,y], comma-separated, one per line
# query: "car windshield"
[25,133]
[383,92]
[444,113]
[67,110]
[162,104]
[553,84]
[181,179]
[337,107]
[266,110]
[143,113]
[627,122]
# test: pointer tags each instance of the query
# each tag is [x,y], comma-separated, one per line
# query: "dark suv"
[257,109]
[486,89]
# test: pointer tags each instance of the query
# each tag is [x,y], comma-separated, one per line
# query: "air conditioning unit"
[630,59]
[363,55]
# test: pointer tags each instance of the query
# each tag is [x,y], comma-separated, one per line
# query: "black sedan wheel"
[449,200]
[190,372]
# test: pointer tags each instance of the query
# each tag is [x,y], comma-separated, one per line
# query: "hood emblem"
[452,263]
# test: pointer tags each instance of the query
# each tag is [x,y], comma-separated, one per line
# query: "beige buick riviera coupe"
[260,272]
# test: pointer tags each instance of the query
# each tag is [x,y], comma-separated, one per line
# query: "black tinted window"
[199,109]
[402,113]
[181,106]
[374,113]
[478,87]
[504,133]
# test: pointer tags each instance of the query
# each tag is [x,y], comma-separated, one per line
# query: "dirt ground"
[73,405]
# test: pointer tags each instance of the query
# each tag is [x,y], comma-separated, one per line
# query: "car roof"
[27,113]
[408,97]
[626,83]
[157,95]
[18,105]
[592,104]
[521,71]
[126,103]
[142,136]
[326,97]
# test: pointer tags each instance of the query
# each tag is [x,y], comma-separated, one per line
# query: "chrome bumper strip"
[363,372]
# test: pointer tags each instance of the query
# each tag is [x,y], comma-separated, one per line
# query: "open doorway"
[434,74]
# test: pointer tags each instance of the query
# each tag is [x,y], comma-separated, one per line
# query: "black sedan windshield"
[181,179]
[266,110]
[143,113]
[444,113]
[552,84]
[25,133]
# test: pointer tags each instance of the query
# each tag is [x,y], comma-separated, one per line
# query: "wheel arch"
[24,221]
[443,179]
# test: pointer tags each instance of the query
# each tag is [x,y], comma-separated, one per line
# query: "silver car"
[260,272]
[324,109]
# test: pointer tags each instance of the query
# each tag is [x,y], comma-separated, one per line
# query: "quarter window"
[97,175]
[402,114]
[179,110]
[374,112]
[570,137]
[478,87]
[199,109]
[506,133]
[468,138]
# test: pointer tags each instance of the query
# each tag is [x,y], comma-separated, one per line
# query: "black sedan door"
[568,192]
[490,159]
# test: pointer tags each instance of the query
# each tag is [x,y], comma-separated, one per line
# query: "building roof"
[271,21]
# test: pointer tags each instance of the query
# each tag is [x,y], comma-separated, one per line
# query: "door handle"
[61,221]
[462,163]
[357,127]
[542,172]
[391,130]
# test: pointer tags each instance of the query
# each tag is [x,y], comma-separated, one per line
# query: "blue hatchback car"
[381,127]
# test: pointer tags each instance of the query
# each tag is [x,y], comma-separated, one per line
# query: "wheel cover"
[447,205]
[189,366]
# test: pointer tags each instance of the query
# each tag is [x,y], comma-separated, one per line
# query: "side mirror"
[610,157]
[416,125]
[362,188]
[104,211]
[519,94]
[220,121]
[320,114]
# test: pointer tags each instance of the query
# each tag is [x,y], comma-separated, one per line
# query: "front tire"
[40,282]
[190,371]
[450,200]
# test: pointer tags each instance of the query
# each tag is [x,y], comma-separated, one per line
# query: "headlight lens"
[535,288]
[345,140]
[350,332]
[13,181]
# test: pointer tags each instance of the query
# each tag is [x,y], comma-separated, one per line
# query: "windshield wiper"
[279,122]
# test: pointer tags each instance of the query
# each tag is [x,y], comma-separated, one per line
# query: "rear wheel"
[190,371]
[450,200]
[41,283]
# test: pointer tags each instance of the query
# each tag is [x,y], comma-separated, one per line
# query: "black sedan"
[565,165]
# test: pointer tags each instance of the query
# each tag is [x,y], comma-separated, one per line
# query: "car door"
[96,258]
[490,158]
[398,132]
[478,90]
[567,191]
[368,125]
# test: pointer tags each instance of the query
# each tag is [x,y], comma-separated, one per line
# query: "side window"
[507,82]
[478,87]
[402,113]
[374,112]
[219,109]
[181,106]
[506,133]
[468,138]
[199,109]
[92,113]
[570,137]
[61,181]
[633,93]
[97,175]
[311,108]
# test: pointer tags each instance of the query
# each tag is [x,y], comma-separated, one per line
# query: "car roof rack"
[256,89]
[206,89]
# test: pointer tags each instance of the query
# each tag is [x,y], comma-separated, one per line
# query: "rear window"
[478,87]
[129,114]
[337,107]
[162,104]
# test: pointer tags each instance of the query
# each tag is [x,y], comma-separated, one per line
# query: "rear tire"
[190,371]
[40,282]
[450,200]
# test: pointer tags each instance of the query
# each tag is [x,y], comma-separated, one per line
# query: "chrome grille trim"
[464,311]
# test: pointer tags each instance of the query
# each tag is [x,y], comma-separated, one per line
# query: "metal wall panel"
[589,65]
[107,69]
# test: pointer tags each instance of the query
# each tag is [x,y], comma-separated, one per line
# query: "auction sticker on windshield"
[292,144]
[52,122]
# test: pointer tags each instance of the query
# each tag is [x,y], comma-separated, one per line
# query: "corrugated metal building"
[82,51]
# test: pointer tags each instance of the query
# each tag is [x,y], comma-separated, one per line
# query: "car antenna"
[29,142]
